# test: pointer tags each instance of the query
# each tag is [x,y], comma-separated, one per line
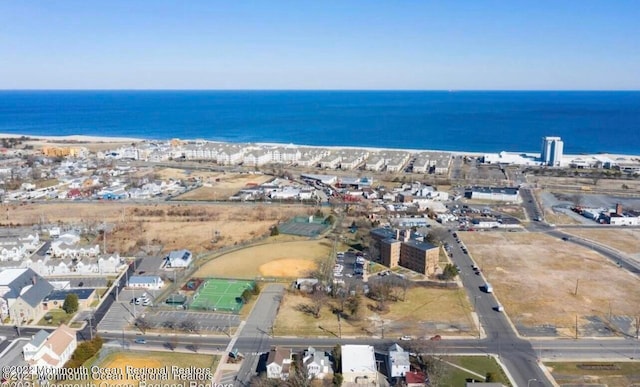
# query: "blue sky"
[320,44]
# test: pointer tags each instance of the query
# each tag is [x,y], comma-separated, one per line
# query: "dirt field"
[422,314]
[534,277]
[625,240]
[169,226]
[287,268]
[222,186]
[287,259]
[155,360]
[623,374]
[558,218]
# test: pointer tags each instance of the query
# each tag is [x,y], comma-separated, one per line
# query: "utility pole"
[576,291]
[576,327]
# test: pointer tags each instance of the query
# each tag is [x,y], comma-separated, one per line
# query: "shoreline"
[119,140]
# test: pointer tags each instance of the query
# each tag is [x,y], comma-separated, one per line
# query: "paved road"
[501,338]
[255,336]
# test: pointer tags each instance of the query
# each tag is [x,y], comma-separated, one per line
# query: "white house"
[50,350]
[279,363]
[145,282]
[399,363]
[179,258]
[112,264]
[317,363]
[359,365]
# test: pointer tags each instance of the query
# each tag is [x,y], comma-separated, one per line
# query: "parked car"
[140,340]
[405,338]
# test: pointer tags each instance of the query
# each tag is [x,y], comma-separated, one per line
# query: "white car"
[406,338]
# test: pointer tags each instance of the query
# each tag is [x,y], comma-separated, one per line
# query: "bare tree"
[143,324]
[318,299]
[189,325]
[429,355]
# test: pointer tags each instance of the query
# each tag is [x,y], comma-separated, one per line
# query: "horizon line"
[326,90]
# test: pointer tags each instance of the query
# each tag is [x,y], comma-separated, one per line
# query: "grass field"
[625,240]
[425,312]
[478,364]
[286,259]
[220,294]
[172,226]
[58,315]
[534,276]
[155,360]
[570,374]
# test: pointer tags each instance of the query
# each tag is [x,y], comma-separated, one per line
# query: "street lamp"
[531,380]
[475,310]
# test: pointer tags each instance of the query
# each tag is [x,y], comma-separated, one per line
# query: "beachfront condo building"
[552,151]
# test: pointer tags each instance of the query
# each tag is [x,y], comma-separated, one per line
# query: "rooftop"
[358,358]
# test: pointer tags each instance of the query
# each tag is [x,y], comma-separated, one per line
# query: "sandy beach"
[118,141]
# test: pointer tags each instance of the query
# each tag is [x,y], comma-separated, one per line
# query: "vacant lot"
[222,186]
[155,360]
[535,277]
[574,374]
[280,259]
[170,226]
[425,312]
[625,240]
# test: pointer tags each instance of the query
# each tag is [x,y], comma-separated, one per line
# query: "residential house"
[179,259]
[50,350]
[359,365]
[317,363]
[110,265]
[399,364]
[279,363]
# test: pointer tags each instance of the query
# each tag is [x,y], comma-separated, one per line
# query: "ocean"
[492,121]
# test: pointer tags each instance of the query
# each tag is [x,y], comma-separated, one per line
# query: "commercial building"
[552,148]
[359,365]
[507,194]
[22,292]
[394,247]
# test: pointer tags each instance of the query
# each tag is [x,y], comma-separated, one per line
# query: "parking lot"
[210,322]
[150,266]
[349,270]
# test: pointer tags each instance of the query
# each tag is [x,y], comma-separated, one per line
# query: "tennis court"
[304,226]
[220,294]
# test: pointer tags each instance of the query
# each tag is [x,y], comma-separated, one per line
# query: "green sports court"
[220,294]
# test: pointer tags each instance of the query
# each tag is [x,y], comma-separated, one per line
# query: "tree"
[142,323]
[449,272]
[491,377]
[318,299]
[275,231]
[189,325]
[352,304]
[70,303]
[429,359]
